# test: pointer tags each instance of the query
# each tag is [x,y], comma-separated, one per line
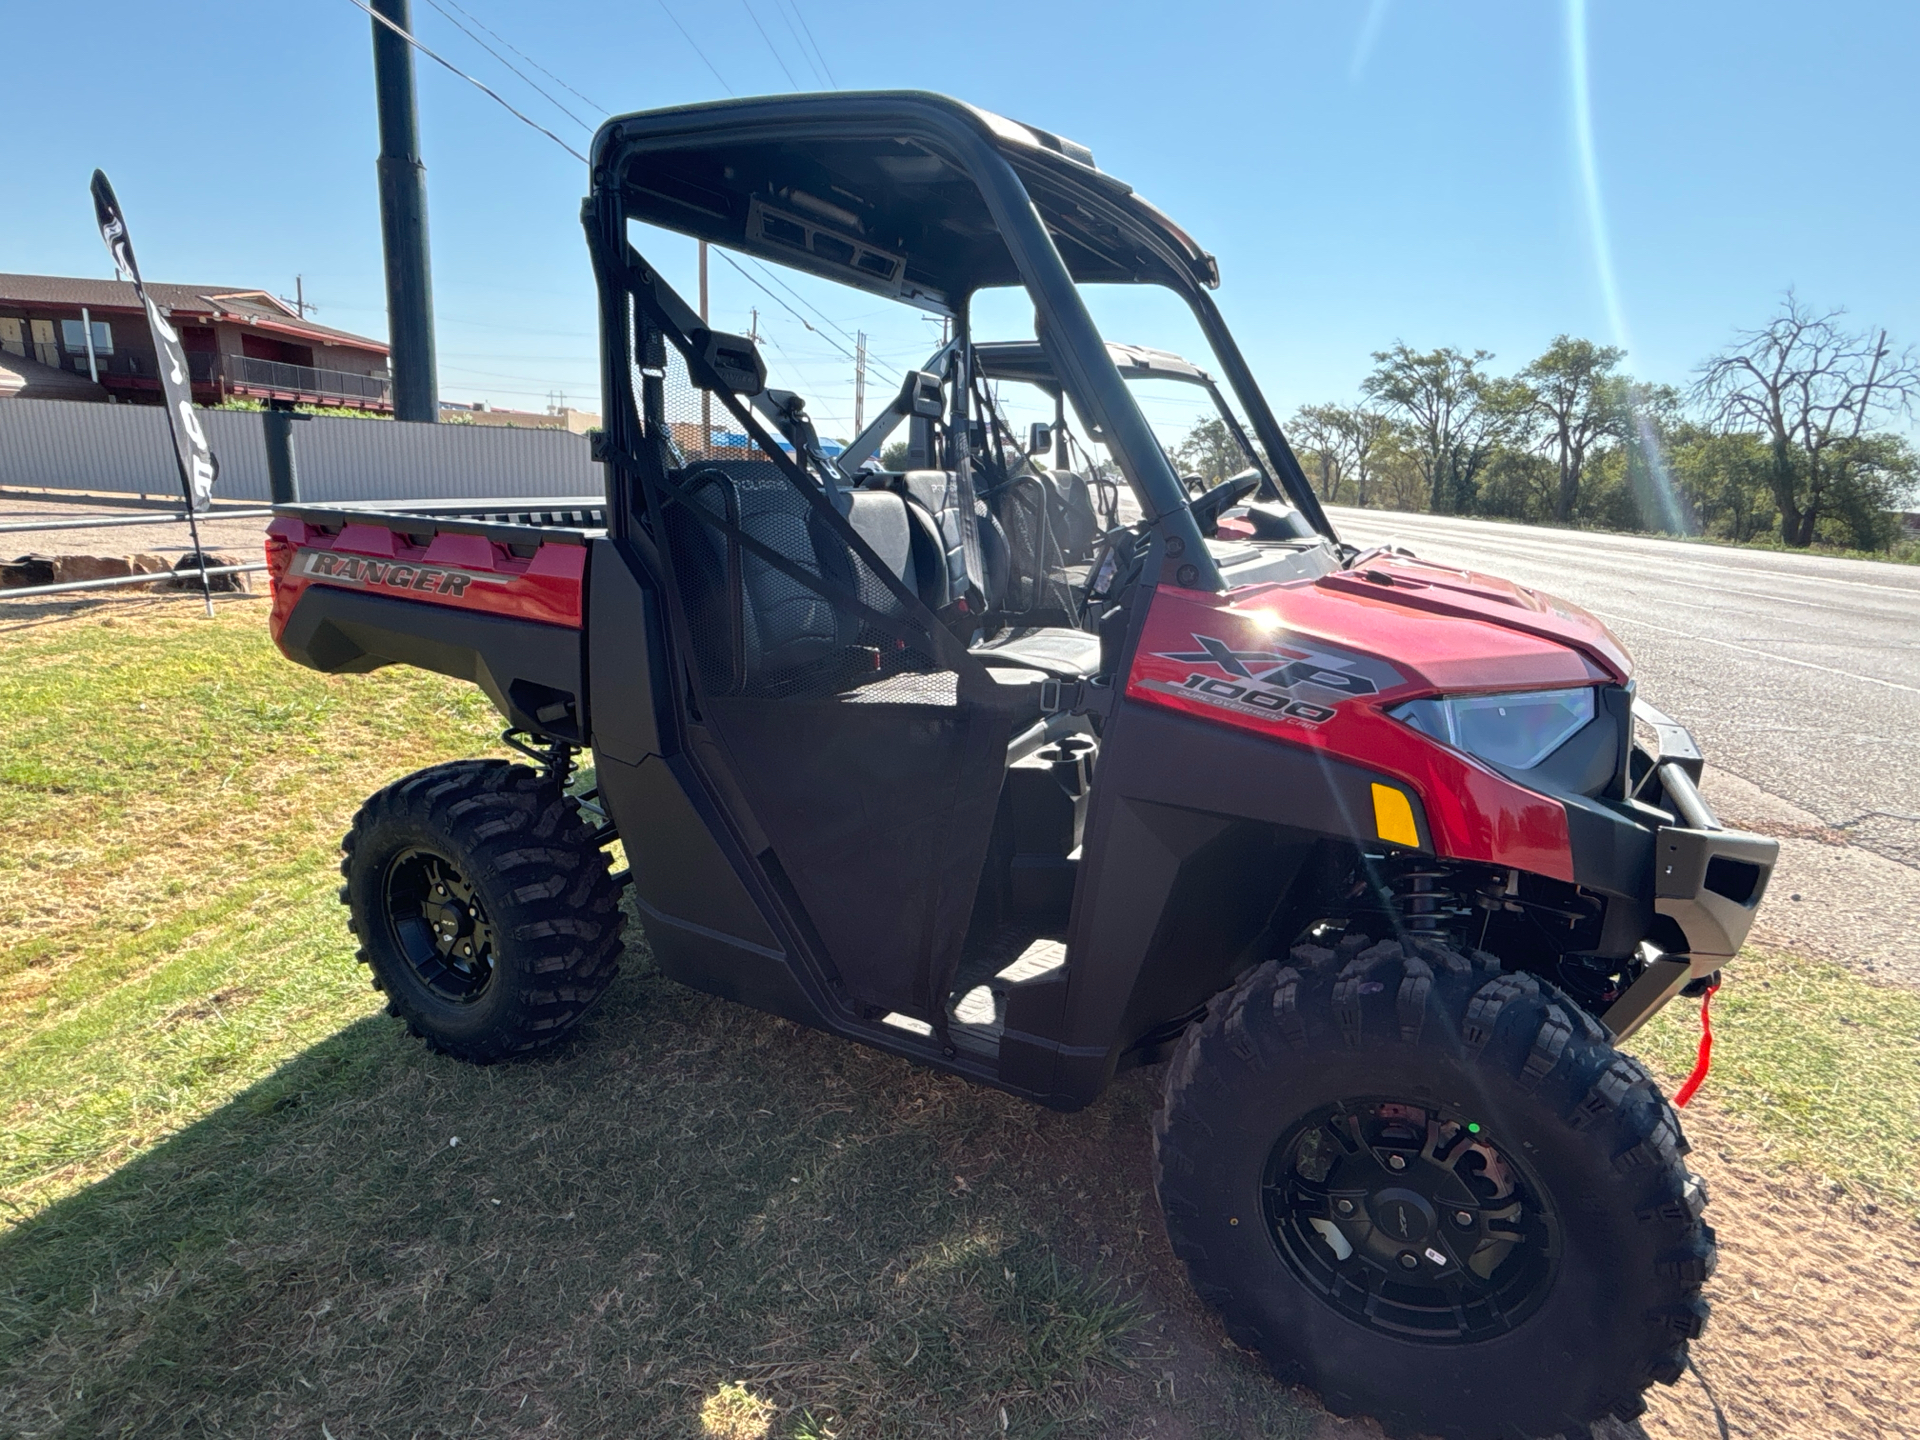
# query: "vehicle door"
[842,721]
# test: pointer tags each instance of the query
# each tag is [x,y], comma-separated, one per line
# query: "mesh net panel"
[1036,570]
[779,599]
[857,756]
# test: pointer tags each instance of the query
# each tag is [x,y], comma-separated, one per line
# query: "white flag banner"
[198,468]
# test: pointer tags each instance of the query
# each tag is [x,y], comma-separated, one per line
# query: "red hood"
[1412,613]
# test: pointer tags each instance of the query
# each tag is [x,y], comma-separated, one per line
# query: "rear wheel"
[1433,1192]
[482,906]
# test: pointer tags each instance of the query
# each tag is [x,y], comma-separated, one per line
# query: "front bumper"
[1708,880]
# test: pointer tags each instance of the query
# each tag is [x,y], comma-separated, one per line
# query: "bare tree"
[1813,390]
[1571,396]
[1444,396]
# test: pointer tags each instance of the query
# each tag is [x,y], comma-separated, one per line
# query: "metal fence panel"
[124,449]
[341,459]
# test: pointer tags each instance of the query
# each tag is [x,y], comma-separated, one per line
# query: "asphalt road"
[1797,673]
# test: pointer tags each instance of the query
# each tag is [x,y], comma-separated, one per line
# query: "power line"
[528,58]
[815,43]
[845,354]
[486,90]
[825,319]
[778,59]
[511,66]
[534,124]
[694,43]
[798,43]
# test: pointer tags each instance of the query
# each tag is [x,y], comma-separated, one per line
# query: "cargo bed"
[492,592]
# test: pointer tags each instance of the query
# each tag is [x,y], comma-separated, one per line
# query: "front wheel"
[1433,1192]
[483,906]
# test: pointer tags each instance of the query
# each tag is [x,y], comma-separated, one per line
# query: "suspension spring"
[1427,903]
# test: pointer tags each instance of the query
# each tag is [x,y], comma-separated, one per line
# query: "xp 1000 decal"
[1292,680]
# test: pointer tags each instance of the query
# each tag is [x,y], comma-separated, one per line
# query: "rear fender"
[531,673]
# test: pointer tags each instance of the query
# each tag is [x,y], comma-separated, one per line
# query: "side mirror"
[922,394]
[734,360]
[1039,438]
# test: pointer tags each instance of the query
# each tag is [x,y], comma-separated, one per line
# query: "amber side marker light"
[1393,817]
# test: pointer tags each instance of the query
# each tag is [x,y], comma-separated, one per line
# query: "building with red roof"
[239,343]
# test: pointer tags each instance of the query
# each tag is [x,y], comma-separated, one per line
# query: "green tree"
[1443,395]
[1650,420]
[1570,396]
[1813,390]
[1315,439]
[1342,445]
[1723,477]
[1876,479]
[1210,451]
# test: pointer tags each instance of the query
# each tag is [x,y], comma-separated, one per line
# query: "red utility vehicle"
[942,759]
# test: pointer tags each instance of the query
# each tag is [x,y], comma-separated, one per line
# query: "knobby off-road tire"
[483,907]
[1363,1068]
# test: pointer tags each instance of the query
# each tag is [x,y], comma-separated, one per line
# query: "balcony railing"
[243,371]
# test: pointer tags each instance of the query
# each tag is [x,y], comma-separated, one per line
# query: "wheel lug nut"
[1343,1207]
[1409,1260]
[1463,1219]
[1398,1162]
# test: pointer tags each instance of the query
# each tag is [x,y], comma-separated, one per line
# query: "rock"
[27,570]
[186,574]
[69,568]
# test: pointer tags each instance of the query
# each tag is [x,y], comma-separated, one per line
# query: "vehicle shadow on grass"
[685,1197]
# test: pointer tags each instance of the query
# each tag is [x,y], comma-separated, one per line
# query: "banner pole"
[206,587]
[198,466]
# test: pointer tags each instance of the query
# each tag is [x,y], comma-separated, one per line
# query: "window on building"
[73,337]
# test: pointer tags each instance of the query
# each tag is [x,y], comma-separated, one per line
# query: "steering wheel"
[1208,507]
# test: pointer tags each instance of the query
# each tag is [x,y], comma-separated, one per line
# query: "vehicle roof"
[870,188]
[1025,360]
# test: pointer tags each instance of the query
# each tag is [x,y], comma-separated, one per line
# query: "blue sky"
[1365,171]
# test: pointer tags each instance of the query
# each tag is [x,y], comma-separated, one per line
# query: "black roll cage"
[710,171]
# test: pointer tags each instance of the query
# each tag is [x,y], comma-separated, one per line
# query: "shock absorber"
[1426,901]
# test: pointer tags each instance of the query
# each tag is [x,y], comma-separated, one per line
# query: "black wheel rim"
[1411,1221]
[439,925]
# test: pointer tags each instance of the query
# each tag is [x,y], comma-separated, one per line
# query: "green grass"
[237,1205]
[171,791]
[1825,1065]
[237,1202]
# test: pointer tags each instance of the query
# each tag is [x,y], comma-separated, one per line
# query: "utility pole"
[403,219]
[753,330]
[706,396]
[859,381]
[300,296]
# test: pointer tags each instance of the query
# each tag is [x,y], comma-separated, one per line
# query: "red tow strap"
[1699,1075]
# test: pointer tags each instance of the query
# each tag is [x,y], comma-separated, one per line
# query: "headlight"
[1517,730]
